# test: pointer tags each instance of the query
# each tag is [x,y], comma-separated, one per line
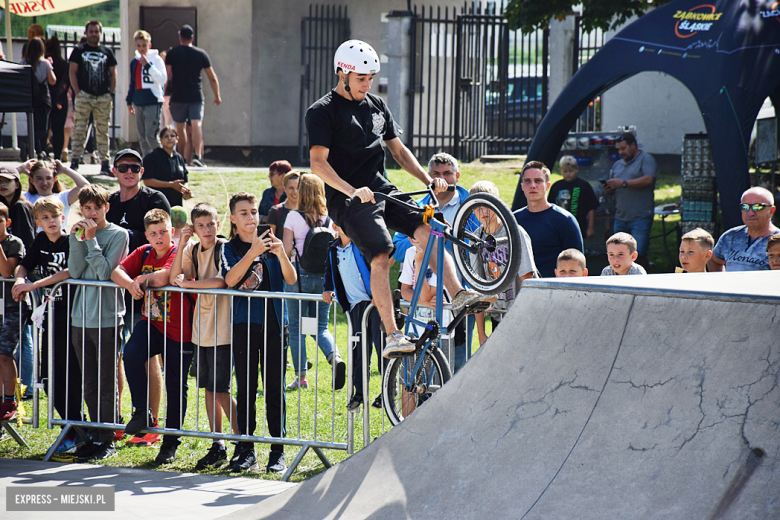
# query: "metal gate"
[477,87]
[326,27]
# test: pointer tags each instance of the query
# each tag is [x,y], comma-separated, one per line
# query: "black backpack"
[315,246]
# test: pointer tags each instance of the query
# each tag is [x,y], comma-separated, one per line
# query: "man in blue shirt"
[552,229]
[743,248]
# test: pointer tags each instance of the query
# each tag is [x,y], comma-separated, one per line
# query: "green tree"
[529,15]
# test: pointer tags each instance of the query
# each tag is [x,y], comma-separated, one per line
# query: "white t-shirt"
[408,276]
[299,228]
[63,196]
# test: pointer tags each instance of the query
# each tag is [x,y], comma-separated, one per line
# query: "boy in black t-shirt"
[575,196]
[257,263]
[346,128]
[47,264]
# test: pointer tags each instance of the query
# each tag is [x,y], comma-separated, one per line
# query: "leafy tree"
[529,15]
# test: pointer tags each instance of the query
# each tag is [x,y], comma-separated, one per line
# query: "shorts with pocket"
[214,366]
[183,112]
[9,331]
[367,224]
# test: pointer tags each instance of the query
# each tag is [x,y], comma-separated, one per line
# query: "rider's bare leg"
[451,282]
[380,289]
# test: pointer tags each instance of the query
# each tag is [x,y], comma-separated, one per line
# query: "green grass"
[216,187]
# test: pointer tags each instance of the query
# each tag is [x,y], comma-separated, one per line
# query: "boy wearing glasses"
[743,248]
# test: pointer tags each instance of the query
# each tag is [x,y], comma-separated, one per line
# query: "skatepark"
[650,397]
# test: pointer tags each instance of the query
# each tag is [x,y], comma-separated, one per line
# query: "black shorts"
[211,370]
[366,224]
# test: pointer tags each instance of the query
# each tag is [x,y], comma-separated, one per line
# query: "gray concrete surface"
[593,400]
[146,494]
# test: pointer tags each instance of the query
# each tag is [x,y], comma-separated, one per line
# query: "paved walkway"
[140,493]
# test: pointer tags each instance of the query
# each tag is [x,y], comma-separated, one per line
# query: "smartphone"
[262,228]
[603,182]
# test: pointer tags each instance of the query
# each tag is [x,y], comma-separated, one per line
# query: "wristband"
[625,184]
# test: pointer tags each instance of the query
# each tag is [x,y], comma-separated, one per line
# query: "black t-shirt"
[94,63]
[13,248]
[577,197]
[130,214]
[186,63]
[46,258]
[353,133]
[241,248]
[160,166]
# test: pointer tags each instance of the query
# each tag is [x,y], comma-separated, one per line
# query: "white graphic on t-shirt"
[379,124]
[95,65]
[124,220]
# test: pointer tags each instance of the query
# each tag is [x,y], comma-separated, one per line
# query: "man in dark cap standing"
[184,65]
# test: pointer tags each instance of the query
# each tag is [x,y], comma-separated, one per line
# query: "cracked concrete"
[640,404]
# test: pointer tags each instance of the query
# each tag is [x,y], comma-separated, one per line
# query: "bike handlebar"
[450,188]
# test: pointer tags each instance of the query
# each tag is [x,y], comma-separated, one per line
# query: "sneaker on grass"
[167,453]
[276,463]
[215,458]
[102,451]
[147,439]
[377,402]
[247,461]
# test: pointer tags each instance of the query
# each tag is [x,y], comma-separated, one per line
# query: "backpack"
[315,246]
[221,241]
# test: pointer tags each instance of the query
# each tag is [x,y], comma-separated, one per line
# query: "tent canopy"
[41,7]
[727,53]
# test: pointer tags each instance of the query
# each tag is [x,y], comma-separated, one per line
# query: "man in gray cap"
[184,65]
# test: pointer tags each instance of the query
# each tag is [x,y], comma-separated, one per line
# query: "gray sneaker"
[397,343]
[465,298]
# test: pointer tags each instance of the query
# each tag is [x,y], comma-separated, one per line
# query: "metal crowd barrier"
[302,431]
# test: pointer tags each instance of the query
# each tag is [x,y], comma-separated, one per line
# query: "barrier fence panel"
[83,336]
[257,361]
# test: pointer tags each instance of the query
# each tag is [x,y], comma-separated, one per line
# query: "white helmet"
[356,56]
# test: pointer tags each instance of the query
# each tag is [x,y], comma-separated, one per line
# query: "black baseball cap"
[186,31]
[127,152]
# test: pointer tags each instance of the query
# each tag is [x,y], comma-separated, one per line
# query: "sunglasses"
[135,168]
[755,207]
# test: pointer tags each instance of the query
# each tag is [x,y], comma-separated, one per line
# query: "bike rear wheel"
[404,392]
[485,222]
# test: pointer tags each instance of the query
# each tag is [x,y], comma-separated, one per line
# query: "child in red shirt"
[171,331]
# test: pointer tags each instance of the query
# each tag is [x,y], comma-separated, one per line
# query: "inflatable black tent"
[16,92]
[726,52]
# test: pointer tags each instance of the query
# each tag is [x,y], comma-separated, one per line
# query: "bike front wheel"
[404,390]
[487,225]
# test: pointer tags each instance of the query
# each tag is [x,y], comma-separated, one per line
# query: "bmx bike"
[486,248]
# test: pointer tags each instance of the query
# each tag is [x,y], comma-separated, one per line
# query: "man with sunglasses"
[127,208]
[133,201]
[632,181]
[743,248]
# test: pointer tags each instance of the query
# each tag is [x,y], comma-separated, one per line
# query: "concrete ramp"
[651,397]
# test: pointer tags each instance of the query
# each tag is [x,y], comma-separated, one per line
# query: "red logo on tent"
[695,20]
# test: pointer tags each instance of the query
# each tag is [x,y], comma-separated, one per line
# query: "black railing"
[477,87]
[326,27]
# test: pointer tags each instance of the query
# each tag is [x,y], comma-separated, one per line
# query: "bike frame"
[439,236]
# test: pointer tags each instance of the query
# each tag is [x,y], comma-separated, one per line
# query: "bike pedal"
[394,355]
[476,308]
